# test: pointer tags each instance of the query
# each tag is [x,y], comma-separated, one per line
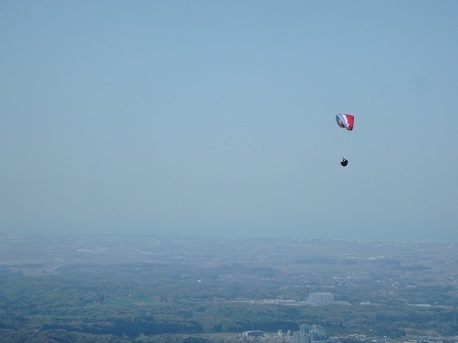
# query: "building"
[320,299]
[309,334]
[253,333]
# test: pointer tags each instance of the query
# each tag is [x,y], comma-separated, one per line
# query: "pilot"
[344,162]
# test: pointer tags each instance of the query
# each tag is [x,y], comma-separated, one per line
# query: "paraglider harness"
[344,162]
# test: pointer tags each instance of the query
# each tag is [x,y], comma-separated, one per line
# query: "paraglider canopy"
[345,121]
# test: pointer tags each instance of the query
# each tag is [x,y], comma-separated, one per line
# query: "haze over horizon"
[211,118]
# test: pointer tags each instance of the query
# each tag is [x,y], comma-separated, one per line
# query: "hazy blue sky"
[218,118]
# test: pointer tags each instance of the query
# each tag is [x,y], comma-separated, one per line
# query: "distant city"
[166,289]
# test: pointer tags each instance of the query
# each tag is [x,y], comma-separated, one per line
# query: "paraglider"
[345,121]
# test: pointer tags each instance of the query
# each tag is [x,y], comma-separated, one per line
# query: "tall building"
[304,336]
[304,329]
[310,334]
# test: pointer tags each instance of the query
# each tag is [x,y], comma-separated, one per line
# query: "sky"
[217,118]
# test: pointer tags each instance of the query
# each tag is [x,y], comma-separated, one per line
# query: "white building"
[320,299]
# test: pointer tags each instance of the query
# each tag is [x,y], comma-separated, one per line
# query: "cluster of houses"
[306,334]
